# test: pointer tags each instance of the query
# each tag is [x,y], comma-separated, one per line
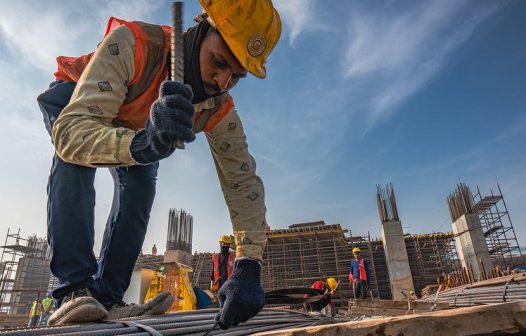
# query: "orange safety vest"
[152,46]
[363,273]
[215,258]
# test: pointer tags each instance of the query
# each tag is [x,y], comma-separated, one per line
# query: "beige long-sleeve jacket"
[84,134]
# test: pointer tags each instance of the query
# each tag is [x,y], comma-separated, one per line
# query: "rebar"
[181,323]
[512,288]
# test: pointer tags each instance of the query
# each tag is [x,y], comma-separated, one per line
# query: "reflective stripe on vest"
[215,258]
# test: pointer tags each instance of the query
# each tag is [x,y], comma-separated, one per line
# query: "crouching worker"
[322,305]
[115,109]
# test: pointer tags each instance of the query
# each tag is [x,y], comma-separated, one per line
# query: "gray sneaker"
[78,306]
[124,310]
[159,304]
[156,306]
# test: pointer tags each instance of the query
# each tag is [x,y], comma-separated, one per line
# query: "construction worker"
[329,287]
[359,274]
[154,250]
[222,264]
[47,305]
[34,313]
[114,108]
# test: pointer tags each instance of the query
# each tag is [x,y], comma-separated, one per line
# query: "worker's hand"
[170,120]
[241,296]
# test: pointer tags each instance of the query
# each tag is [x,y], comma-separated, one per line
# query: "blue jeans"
[71,203]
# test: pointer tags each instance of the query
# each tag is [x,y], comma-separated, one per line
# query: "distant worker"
[222,264]
[329,287]
[34,313]
[154,250]
[359,274]
[47,305]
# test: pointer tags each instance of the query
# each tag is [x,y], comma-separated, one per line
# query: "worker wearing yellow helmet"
[222,264]
[114,108]
[328,287]
[359,274]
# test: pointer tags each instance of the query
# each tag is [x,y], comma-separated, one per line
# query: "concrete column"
[397,261]
[471,245]
[178,256]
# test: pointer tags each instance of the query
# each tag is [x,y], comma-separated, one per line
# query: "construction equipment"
[173,278]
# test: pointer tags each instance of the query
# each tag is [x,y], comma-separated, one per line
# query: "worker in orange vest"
[359,274]
[114,108]
[222,264]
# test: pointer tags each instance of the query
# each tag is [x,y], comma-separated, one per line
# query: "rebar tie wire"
[143,327]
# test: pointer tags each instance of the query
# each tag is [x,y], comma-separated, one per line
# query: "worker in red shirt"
[329,287]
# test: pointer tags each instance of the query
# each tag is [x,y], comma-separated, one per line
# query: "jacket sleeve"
[242,188]
[83,134]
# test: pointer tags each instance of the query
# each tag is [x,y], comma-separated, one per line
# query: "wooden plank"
[497,319]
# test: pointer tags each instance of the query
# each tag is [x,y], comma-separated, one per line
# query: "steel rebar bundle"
[460,202]
[195,322]
[505,289]
[386,203]
[180,226]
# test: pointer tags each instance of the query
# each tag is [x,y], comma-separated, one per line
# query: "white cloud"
[401,53]
[298,16]
[37,32]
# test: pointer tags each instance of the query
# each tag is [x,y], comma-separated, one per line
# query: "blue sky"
[424,94]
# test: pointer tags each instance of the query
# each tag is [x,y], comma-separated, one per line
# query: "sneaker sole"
[81,314]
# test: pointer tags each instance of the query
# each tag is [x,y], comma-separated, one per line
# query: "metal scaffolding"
[498,229]
[307,252]
[202,266]
[25,275]
[430,256]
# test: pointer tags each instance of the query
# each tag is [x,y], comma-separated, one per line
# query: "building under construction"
[24,276]
[306,252]
[303,253]
[484,233]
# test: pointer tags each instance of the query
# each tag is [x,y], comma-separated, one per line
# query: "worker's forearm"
[242,188]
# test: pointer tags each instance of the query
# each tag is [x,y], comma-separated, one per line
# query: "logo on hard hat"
[256,45]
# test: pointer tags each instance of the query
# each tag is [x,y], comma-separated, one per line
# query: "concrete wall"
[178,256]
[471,244]
[397,260]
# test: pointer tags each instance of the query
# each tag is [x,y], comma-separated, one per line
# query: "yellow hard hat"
[332,283]
[225,240]
[354,250]
[250,28]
